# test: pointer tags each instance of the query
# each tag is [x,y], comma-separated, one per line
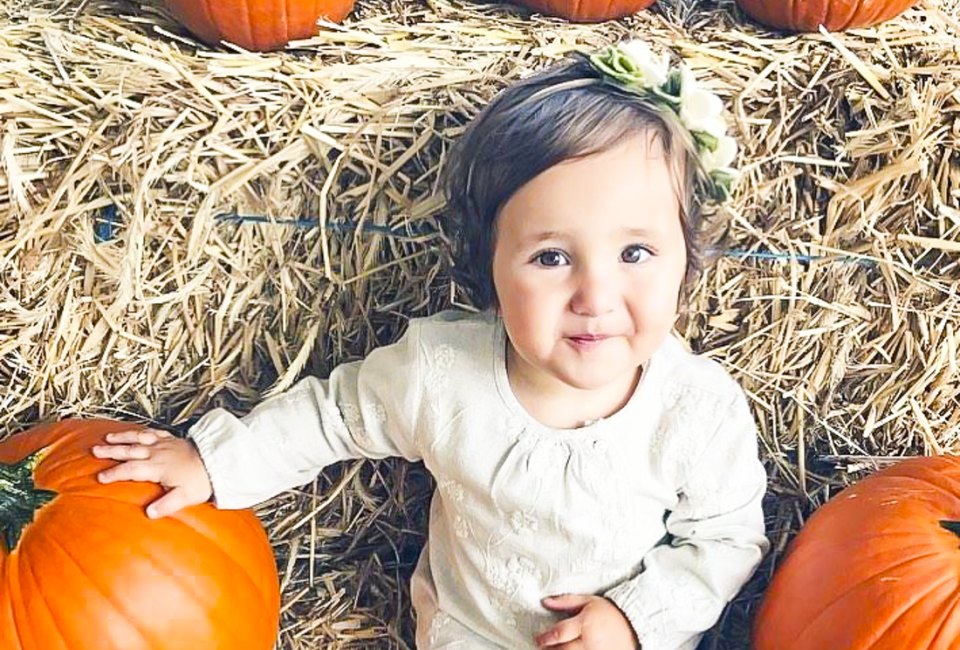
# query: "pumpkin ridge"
[830,547]
[936,487]
[208,16]
[10,578]
[26,568]
[106,597]
[792,12]
[53,465]
[9,621]
[896,491]
[247,25]
[827,606]
[144,553]
[828,15]
[173,519]
[876,15]
[947,617]
[918,599]
[209,542]
[220,625]
[70,495]
[232,561]
[851,17]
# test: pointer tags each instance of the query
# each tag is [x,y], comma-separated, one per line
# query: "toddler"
[597,486]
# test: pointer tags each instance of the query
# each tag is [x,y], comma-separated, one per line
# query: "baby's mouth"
[587,339]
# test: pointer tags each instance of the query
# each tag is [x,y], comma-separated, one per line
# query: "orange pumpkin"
[587,11]
[256,24]
[876,567]
[83,568]
[835,15]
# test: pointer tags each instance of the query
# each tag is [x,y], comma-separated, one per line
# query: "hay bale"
[187,228]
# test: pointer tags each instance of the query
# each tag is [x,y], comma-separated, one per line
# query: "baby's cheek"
[656,303]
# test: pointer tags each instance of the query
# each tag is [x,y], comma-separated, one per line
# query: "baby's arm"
[718,541]
[365,409]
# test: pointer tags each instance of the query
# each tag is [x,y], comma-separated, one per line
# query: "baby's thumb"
[569,603]
[176,499]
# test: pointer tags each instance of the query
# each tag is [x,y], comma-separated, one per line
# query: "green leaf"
[20,498]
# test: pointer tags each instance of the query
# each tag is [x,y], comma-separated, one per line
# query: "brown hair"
[562,113]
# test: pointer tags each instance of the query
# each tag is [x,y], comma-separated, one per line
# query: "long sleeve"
[718,540]
[365,409]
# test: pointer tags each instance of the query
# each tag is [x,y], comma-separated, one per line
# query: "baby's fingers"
[174,500]
[138,437]
[134,470]
[121,452]
[564,632]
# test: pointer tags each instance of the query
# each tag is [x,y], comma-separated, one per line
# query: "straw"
[128,290]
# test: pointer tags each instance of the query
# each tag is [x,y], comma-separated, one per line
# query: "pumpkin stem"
[19,497]
[952,526]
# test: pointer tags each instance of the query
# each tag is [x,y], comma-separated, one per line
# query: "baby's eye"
[634,254]
[551,258]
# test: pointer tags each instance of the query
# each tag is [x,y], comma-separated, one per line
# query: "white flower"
[700,110]
[651,69]
[720,158]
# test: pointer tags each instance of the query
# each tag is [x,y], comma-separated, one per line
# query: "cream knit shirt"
[657,507]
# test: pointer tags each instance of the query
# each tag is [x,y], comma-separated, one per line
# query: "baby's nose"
[596,294]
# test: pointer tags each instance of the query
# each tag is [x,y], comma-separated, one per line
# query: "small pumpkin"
[835,15]
[878,567]
[256,24]
[587,11]
[83,568]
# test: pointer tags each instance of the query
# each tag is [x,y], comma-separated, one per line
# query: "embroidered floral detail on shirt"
[510,612]
[355,418]
[354,422]
[511,576]
[443,359]
[454,492]
[670,602]
[689,416]
[351,415]
[332,418]
[376,412]
[461,527]
[452,489]
[440,621]
[522,523]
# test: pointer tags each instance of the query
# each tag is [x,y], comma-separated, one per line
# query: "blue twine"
[796,257]
[406,230]
[105,226]
[425,229]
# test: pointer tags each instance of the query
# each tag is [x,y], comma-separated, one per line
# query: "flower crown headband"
[631,66]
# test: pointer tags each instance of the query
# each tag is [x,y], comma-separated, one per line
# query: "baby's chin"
[602,378]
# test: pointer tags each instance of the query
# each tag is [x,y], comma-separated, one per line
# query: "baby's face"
[587,266]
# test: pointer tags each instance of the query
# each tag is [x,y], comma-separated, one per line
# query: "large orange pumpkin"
[83,568]
[256,24]
[835,15]
[876,567]
[587,11]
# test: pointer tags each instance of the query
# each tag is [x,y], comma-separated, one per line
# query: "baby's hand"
[595,623]
[158,457]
